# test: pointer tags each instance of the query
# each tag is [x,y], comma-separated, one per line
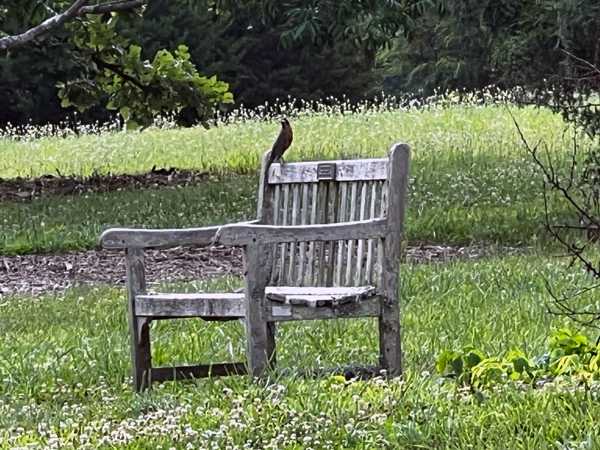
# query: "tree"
[110,68]
[112,72]
[501,42]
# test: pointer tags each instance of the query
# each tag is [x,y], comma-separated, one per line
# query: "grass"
[65,373]
[436,213]
[76,222]
[452,137]
[471,181]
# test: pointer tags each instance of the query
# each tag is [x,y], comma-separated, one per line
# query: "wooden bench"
[326,245]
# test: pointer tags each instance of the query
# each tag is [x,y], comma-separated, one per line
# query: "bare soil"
[27,189]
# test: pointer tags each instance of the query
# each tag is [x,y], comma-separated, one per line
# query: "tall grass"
[471,181]
[451,136]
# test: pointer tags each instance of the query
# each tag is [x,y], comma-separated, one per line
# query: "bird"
[282,143]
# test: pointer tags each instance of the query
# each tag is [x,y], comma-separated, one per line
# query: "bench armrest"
[244,234]
[121,238]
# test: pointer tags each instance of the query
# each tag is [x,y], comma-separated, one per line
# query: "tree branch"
[551,177]
[583,62]
[122,5]
[9,42]
[76,9]
[116,70]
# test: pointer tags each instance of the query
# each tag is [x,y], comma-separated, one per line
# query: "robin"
[283,142]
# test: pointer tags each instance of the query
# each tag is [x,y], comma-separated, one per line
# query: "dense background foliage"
[503,42]
[471,45]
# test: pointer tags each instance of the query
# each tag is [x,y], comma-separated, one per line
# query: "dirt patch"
[37,274]
[26,189]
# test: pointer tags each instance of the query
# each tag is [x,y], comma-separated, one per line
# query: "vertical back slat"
[351,218]
[324,219]
[382,213]
[311,245]
[276,213]
[283,247]
[294,214]
[361,242]
[332,245]
[370,250]
[341,247]
[303,218]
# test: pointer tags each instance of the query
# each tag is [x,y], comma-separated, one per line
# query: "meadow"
[471,181]
[64,357]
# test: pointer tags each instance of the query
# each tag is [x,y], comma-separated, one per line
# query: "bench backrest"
[328,192]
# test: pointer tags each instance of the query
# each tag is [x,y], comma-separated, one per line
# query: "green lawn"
[435,213]
[64,362]
[64,358]
[454,138]
[471,180]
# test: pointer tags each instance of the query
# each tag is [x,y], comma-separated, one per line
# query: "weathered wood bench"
[326,245]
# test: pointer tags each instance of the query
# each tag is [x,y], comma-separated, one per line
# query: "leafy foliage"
[569,354]
[370,24]
[111,72]
[502,42]
[249,55]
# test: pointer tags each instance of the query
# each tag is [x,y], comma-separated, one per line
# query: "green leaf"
[480,397]
[521,365]
[443,360]
[457,366]
[473,358]
[125,112]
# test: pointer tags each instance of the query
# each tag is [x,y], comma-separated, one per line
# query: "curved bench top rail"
[340,170]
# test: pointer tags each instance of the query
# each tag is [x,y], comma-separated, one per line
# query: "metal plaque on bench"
[326,171]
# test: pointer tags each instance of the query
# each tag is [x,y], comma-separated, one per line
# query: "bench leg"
[260,334]
[141,360]
[390,350]
[390,250]
[139,327]
[271,355]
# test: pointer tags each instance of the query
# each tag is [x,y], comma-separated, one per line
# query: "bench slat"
[162,374]
[273,234]
[231,305]
[191,305]
[120,238]
[370,307]
[306,172]
[320,296]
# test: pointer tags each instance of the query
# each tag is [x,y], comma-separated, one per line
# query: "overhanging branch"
[117,70]
[9,42]
[102,8]
[76,9]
